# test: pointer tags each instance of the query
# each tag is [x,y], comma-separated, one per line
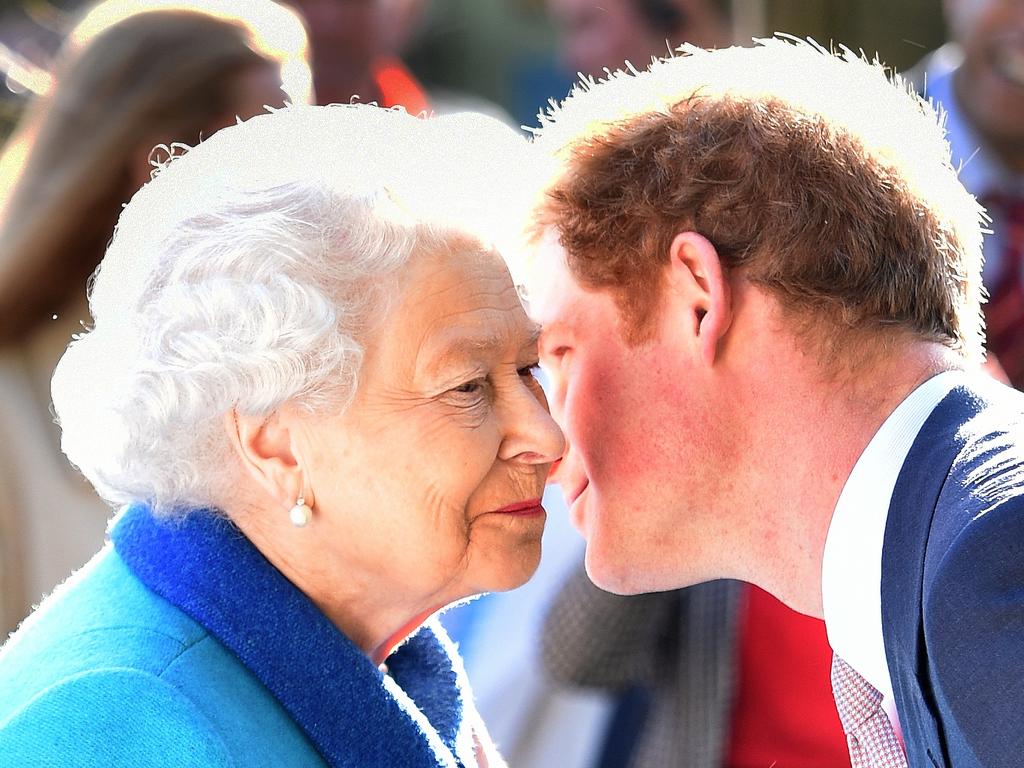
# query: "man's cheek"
[554,387]
[612,427]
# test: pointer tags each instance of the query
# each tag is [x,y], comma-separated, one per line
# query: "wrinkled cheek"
[503,552]
[444,529]
[433,504]
[439,545]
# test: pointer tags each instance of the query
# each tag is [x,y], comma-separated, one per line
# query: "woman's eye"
[473,387]
[529,370]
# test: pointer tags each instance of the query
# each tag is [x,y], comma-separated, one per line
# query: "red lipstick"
[526,508]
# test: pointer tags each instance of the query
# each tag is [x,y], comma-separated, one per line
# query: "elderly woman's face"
[432,478]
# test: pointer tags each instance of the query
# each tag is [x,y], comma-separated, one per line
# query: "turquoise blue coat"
[180,645]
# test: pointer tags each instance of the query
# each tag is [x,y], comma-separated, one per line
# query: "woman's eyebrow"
[533,337]
[463,346]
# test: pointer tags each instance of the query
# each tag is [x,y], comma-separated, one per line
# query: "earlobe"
[697,275]
[264,447]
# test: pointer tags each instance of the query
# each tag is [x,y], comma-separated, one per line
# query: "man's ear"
[264,445]
[696,276]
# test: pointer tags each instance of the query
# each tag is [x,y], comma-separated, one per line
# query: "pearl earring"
[300,514]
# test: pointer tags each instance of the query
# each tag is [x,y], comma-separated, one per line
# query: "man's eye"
[554,355]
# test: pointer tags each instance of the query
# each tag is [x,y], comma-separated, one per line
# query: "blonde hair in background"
[130,76]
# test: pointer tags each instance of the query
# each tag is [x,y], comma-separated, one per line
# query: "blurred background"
[719,676]
[506,51]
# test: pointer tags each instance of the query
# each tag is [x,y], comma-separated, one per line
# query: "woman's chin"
[514,571]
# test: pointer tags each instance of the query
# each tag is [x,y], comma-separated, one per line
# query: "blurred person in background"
[130,76]
[356,55]
[27,44]
[599,35]
[715,675]
[718,675]
[353,52]
[311,382]
[978,79]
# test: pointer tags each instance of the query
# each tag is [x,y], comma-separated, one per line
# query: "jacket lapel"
[907,531]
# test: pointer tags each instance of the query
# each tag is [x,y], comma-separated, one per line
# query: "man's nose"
[562,468]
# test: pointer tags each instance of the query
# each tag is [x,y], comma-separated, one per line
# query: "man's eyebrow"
[552,327]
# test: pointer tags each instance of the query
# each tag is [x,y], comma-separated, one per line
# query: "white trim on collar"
[851,572]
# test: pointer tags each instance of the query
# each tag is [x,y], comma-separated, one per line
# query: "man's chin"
[613,574]
[624,573]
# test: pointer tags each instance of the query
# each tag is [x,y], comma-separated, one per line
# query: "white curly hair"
[248,274]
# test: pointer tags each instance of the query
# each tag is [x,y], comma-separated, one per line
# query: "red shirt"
[783,714]
[397,85]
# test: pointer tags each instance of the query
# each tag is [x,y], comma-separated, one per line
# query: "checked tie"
[1004,313]
[869,734]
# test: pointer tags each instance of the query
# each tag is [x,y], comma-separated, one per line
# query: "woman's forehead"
[460,344]
[457,306]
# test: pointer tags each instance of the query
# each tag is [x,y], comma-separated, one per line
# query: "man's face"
[991,80]
[642,467]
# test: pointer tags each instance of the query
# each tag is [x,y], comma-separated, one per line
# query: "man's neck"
[826,424]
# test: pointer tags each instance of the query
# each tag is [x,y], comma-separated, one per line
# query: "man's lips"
[522,508]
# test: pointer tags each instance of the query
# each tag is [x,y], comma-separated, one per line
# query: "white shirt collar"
[851,572]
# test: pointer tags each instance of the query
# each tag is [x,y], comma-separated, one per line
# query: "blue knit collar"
[352,713]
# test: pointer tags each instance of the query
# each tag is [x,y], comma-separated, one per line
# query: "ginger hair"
[813,175]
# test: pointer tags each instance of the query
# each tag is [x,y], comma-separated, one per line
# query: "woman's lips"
[526,508]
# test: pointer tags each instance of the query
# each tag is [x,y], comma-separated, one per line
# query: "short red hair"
[849,214]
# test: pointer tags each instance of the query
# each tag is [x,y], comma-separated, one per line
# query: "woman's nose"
[531,434]
[563,465]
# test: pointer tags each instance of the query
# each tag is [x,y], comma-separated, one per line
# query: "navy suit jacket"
[953,583]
